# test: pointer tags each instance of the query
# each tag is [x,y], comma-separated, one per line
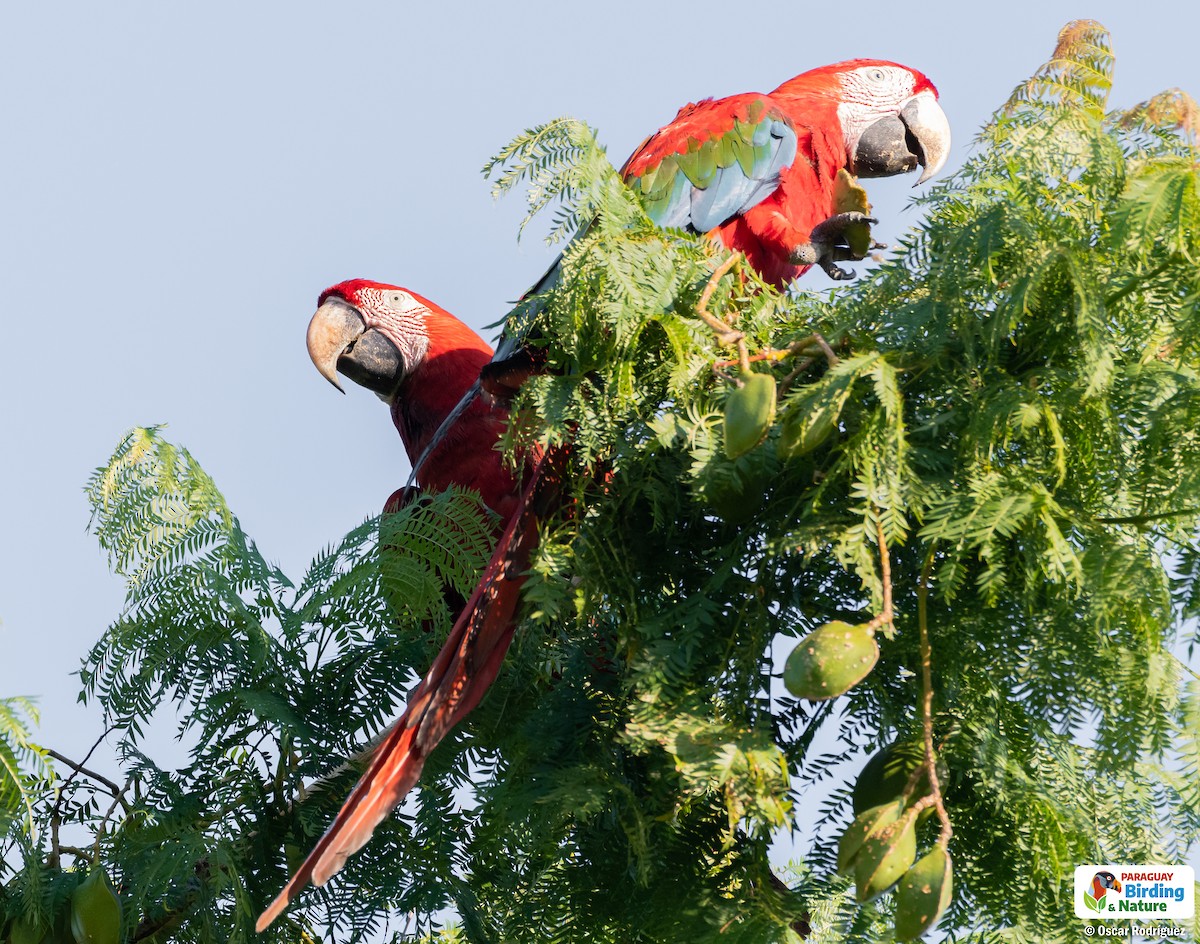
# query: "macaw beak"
[340,341]
[918,134]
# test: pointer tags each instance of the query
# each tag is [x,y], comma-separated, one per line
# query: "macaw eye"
[877,75]
[398,299]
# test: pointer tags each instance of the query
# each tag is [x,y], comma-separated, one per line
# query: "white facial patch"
[868,94]
[400,318]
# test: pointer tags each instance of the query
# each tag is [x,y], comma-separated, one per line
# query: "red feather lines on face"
[442,359]
[826,80]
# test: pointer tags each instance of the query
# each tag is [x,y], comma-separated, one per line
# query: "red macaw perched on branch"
[423,360]
[757,172]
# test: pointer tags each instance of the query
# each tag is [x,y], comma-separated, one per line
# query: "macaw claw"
[832,230]
[835,271]
[828,244]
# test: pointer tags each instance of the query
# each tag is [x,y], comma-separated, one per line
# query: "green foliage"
[22,763]
[1012,401]
[271,682]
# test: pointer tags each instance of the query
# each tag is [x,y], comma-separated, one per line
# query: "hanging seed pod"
[886,854]
[24,931]
[831,660]
[749,411]
[801,433]
[923,894]
[96,911]
[866,823]
[885,775]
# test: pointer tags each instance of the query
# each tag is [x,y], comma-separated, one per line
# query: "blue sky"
[181,180]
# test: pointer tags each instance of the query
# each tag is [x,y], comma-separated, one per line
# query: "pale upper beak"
[895,144]
[340,341]
[926,122]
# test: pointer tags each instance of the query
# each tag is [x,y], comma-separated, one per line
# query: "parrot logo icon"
[1101,883]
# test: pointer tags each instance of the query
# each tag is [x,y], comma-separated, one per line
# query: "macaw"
[422,360]
[757,172]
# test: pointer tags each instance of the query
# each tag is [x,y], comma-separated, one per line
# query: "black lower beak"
[372,361]
[887,147]
[339,342]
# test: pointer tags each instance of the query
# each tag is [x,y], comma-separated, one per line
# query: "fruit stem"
[927,700]
[885,616]
[725,334]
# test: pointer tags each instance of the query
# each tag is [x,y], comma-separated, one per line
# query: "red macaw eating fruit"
[758,171]
[423,360]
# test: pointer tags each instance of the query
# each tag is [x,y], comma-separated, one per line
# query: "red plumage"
[826,109]
[776,204]
[444,359]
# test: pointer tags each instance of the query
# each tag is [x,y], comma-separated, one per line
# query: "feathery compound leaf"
[152,505]
[1161,206]
[986,454]
[560,161]
[1078,74]
[22,763]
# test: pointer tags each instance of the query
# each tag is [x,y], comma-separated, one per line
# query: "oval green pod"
[849,196]
[885,856]
[886,774]
[866,823]
[801,433]
[749,412]
[923,894]
[24,931]
[831,660]
[96,911]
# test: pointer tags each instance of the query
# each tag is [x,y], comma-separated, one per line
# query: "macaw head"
[380,335]
[889,115]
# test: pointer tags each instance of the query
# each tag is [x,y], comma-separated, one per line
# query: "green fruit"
[886,854]
[24,931]
[866,823]
[831,660]
[96,911]
[749,411]
[848,197]
[886,774]
[923,894]
[801,433]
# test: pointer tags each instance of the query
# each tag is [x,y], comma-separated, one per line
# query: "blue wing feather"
[731,190]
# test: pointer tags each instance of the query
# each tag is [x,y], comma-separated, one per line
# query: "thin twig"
[801,365]
[78,768]
[1142,519]
[725,334]
[927,700]
[885,576]
[803,346]
[118,800]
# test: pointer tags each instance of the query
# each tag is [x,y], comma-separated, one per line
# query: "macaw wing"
[715,160]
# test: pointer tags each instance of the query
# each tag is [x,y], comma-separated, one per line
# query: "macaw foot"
[502,379]
[829,243]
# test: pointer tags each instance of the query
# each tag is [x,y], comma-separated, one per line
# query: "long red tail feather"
[461,674]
